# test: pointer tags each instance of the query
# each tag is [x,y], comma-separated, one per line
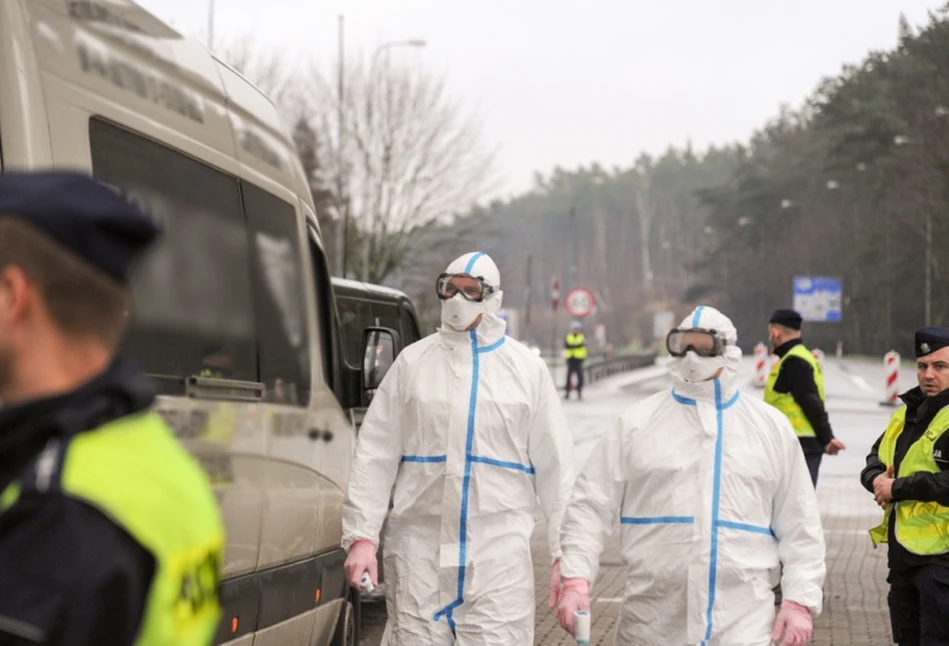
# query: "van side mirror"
[380,348]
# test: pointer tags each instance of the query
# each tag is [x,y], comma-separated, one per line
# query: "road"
[855,605]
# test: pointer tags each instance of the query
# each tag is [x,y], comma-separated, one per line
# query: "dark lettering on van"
[95,12]
[132,79]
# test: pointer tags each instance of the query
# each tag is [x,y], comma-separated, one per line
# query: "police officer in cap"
[796,388]
[908,473]
[109,530]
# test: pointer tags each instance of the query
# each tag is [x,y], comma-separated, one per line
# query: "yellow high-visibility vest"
[784,402]
[576,346]
[135,471]
[921,527]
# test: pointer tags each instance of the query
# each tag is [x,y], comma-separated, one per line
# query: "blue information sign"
[818,298]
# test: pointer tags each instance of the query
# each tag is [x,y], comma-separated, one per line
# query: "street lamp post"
[343,233]
[211,25]
[413,42]
[902,140]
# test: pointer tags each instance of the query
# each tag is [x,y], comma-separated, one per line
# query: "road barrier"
[891,374]
[761,365]
[596,370]
[819,355]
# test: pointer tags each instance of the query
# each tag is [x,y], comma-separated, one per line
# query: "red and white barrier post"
[761,365]
[891,372]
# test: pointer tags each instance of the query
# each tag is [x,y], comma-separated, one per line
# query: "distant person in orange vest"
[575,351]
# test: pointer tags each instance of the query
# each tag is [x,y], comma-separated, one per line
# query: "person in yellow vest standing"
[575,351]
[908,473]
[795,387]
[109,531]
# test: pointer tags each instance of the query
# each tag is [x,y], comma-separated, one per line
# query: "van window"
[387,315]
[283,351]
[355,315]
[192,304]
[329,332]
[410,331]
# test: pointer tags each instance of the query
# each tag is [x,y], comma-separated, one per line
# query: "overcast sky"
[560,82]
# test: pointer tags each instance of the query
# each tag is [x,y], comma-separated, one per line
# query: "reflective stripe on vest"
[134,470]
[577,346]
[784,402]
[921,527]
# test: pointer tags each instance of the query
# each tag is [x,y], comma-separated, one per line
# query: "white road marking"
[861,382]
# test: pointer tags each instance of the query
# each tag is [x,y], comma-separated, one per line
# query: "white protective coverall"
[712,491]
[469,428]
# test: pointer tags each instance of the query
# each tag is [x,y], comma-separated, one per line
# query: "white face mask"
[695,369]
[459,314]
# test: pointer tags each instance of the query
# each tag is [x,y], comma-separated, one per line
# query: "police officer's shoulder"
[65,563]
[90,219]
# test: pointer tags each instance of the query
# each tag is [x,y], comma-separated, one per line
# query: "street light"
[902,140]
[412,42]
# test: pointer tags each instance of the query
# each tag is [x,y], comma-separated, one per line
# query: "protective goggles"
[472,288]
[704,343]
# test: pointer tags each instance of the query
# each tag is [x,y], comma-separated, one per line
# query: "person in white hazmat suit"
[468,426]
[712,493]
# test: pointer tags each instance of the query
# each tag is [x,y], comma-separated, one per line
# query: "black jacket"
[924,487]
[797,378]
[69,576]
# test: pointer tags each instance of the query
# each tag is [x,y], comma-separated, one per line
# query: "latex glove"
[574,595]
[361,559]
[795,623]
[554,584]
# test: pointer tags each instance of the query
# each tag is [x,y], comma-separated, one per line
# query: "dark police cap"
[930,339]
[787,318]
[85,216]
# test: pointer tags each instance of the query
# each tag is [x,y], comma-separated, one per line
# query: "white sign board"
[818,298]
[580,302]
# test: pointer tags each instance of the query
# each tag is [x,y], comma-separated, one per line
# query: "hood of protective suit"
[458,314]
[692,373]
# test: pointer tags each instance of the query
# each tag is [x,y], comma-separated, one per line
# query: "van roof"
[367,289]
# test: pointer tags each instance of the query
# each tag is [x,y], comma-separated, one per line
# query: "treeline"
[847,185]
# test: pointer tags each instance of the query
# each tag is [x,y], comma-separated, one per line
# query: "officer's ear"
[17,294]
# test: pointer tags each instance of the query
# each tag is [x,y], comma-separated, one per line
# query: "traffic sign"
[818,298]
[580,302]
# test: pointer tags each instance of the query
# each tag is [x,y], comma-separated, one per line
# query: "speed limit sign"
[579,302]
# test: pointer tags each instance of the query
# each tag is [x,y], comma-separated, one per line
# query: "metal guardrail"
[606,367]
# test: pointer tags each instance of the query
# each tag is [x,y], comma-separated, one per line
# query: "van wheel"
[347,626]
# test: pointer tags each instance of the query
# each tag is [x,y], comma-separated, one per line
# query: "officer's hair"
[784,329]
[81,300]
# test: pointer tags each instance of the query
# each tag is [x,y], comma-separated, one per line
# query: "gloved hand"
[361,559]
[554,585]
[795,622]
[574,595]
